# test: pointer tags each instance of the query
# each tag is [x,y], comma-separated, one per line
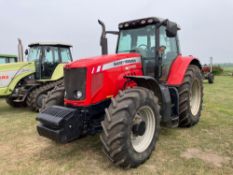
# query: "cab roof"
[50,44]
[141,22]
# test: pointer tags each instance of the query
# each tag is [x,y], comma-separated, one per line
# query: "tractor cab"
[47,56]
[8,59]
[155,39]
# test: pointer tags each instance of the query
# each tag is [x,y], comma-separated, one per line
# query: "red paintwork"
[98,60]
[178,69]
[206,69]
[103,84]
[109,81]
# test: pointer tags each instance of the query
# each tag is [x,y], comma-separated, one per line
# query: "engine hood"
[14,66]
[12,73]
[99,60]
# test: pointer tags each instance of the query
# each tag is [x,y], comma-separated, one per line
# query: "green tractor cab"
[27,83]
[8,59]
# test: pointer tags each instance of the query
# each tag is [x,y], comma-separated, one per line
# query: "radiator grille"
[75,80]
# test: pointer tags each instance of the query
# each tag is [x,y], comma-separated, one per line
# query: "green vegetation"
[217,70]
[228,70]
[203,149]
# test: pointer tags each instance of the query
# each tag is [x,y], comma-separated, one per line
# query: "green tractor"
[27,83]
[8,58]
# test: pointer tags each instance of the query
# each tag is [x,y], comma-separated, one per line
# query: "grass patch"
[22,151]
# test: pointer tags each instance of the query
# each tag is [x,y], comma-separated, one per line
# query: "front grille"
[75,80]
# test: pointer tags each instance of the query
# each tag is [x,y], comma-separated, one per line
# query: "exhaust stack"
[20,51]
[103,38]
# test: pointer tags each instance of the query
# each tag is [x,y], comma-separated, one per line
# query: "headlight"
[78,94]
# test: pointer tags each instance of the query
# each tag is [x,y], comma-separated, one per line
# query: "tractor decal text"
[5,78]
[122,62]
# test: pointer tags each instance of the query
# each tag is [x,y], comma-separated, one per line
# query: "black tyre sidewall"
[197,77]
[117,127]
[140,157]
[187,119]
[211,79]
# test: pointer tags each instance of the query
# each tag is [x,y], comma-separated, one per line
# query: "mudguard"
[178,69]
[58,72]
[12,73]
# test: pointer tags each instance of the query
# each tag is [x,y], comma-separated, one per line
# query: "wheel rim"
[141,143]
[195,97]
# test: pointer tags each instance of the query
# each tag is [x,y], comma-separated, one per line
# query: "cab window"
[140,40]
[171,50]
[125,43]
[65,55]
[49,55]
[170,53]
[34,53]
[56,55]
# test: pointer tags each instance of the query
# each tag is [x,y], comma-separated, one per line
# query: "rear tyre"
[131,127]
[211,78]
[54,97]
[190,97]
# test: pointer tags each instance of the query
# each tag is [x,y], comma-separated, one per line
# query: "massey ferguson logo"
[114,64]
[130,61]
[4,77]
[123,62]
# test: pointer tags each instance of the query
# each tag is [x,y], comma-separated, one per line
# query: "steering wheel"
[143,45]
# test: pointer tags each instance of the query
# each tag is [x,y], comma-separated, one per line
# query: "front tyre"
[54,97]
[131,127]
[190,97]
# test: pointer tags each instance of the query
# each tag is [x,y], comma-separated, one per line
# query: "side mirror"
[172,29]
[26,52]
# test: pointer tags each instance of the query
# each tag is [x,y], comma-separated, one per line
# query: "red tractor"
[128,95]
[207,72]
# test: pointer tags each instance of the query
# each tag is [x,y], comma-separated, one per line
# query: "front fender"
[149,83]
[13,76]
[179,68]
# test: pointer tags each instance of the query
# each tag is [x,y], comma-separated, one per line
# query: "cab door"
[49,62]
[170,53]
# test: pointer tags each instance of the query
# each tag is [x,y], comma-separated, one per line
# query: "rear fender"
[179,68]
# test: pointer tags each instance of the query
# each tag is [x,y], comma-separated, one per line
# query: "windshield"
[140,40]
[34,53]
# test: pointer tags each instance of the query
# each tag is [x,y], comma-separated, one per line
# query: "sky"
[206,25]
